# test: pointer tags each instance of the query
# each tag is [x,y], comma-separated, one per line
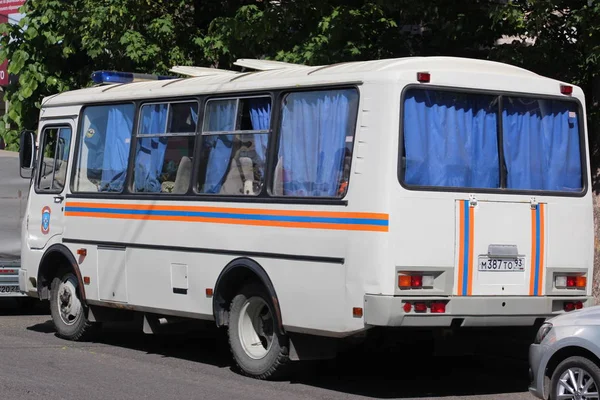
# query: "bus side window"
[234,146]
[54,159]
[104,127]
[165,146]
[315,145]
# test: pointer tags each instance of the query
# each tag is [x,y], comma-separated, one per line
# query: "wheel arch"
[231,279]
[55,257]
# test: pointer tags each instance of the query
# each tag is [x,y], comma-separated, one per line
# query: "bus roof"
[289,76]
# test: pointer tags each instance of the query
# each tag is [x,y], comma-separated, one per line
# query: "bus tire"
[258,349]
[66,308]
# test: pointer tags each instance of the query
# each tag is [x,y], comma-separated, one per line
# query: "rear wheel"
[258,348]
[67,310]
[576,378]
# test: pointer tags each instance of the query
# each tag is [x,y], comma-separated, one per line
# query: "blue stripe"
[466,248]
[255,217]
[537,250]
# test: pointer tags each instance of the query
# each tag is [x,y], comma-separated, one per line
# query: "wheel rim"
[256,328]
[576,384]
[69,306]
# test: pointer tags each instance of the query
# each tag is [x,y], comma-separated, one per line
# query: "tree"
[58,44]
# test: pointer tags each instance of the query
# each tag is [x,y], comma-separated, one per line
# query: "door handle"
[58,199]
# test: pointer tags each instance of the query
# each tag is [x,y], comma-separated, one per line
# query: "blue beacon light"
[100,77]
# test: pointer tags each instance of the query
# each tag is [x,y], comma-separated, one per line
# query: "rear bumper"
[466,311]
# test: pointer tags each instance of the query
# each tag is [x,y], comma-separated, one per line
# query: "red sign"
[9,12]
[10,6]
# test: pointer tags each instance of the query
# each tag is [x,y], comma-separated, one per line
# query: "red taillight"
[438,308]
[569,306]
[416,281]
[357,312]
[566,89]
[578,305]
[423,77]
[407,307]
[420,307]
[571,281]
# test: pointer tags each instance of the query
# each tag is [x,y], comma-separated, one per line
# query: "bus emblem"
[45,220]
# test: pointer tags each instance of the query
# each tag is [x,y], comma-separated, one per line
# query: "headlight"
[542,332]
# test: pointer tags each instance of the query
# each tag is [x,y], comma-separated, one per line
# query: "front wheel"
[67,310]
[258,348]
[576,378]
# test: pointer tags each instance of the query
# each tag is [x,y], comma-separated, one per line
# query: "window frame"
[141,105]
[192,195]
[274,152]
[500,94]
[269,132]
[237,109]
[78,143]
[130,179]
[39,161]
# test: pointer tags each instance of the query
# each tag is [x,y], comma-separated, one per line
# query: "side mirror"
[27,154]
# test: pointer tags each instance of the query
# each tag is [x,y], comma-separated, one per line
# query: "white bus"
[297,205]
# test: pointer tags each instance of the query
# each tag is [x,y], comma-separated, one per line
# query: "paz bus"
[296,205]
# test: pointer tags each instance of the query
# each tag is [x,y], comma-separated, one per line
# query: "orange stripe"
[233,221]
[471,240]
[532,271]
[248,211]
[461,245]
[542,238]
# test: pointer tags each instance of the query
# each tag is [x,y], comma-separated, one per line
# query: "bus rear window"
[541,145]
[452,140]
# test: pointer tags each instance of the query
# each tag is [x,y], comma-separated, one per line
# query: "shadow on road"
[498,365]
[23,306]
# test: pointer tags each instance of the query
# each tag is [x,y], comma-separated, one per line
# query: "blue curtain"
[450,140]
[150,151]
[94,139]
[221,117]
[541,144]
[260,115]
[119,128]
[65,136]
[312,146]
[194,112]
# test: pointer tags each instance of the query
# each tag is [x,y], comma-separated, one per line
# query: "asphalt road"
[126,364]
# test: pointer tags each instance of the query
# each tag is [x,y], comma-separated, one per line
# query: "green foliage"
[59,44]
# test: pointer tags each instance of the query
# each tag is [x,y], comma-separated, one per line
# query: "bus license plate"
[8,289]
[501,264]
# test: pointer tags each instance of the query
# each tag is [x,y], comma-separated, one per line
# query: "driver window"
[54,156]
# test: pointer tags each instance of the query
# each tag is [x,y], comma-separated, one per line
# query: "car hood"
[586,316]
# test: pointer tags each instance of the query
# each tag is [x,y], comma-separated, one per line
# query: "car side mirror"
[27,154]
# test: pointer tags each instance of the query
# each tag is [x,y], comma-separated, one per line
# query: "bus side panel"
[311,289]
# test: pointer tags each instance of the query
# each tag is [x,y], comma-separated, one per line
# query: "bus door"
[500,248]
[46,205]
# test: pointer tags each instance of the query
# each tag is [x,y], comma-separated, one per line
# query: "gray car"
[564,359]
